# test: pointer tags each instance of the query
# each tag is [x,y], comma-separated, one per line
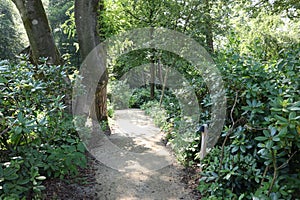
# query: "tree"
[38,31]
[208,25]
[87,27]
[10,34]
[42,43]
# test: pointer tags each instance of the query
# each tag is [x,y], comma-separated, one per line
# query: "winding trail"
[135,164]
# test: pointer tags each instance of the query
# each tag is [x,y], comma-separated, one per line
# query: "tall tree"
[38,31]
[11,37]
[87,27]
[208,26]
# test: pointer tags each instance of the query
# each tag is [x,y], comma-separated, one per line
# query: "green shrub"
[263,146]
[257,156]
[119,94]
[38,139]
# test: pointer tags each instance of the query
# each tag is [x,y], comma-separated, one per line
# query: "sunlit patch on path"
[141,167]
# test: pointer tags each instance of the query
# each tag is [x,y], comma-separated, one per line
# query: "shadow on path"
[135,164]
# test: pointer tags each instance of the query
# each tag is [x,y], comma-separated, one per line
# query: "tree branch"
[229,131]
[134,16]
[189,17]
[286,162]
[5,131]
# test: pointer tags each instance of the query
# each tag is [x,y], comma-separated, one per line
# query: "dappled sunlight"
[137,165]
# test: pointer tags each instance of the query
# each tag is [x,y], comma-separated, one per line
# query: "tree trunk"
[152,77]
[41,40]
[38,31]
[152,65]
[86,19]
[208,25]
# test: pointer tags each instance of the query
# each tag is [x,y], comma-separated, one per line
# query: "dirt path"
[135,162]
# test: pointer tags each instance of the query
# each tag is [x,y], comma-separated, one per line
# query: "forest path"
[135,164]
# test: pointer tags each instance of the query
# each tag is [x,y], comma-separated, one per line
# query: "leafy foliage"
[60,16]
[262,150]
[258,153]
[10,33]
[37,140]
[257,51]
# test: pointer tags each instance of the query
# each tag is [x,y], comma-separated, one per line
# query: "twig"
[251,128]
[187,21]
[163,89]
[232,109]
[276,169]
[264,175]
[5,131]
[286,162]
[274,173]
[229,131]
[134,16]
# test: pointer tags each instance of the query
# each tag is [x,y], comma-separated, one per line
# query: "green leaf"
[241,196]
[282,119]
[40,178]
[276,138]
[266,133]
[274,196]
[18,130]
[9,171]
[11,177]
[3,80]
[23,181]
[261,145]
[261,138]
[292,115]
[20,117]
[243,149]
[227,177]
[234,149]
[283,131]
[276,109]
[81,147]
[294,108]
[273,131]
[38,188]
[269,144]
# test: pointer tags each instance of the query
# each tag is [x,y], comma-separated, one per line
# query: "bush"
[119,94]
[38,139]
[257,156]
[262,147]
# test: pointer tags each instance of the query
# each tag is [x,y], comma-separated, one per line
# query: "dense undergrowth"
[257,155]
[37,138]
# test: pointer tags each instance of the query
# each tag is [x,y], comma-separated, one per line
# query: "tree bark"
[152,77]
[38,31]
[86,19]
[152,65]
[208,25]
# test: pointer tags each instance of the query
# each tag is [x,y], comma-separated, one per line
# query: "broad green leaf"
[261,138]
[280,118]
[292,115]
[269,144]
[273,131]
[40,178]
[11,177]
[294,108]
[276,138]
